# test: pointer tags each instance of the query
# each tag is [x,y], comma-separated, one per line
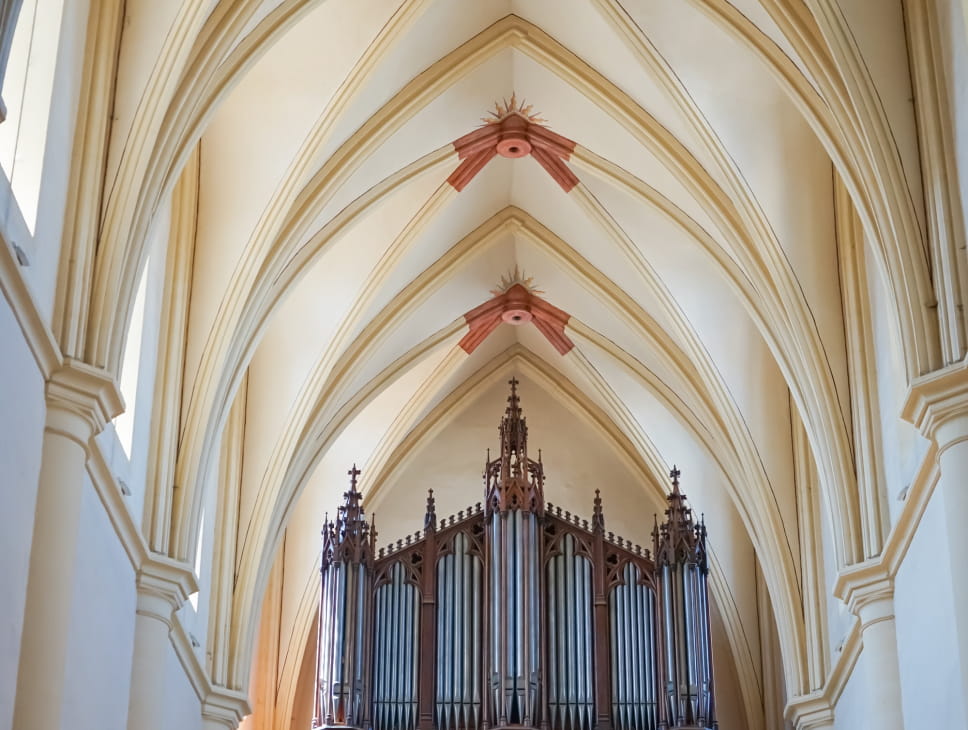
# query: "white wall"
[925,611]
[21,434]
[102,625]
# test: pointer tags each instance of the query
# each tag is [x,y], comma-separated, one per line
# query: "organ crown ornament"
[514,614]
[514,481]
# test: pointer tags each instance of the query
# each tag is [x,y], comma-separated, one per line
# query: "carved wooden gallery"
[514,614]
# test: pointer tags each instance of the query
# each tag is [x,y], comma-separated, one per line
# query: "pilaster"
[80,401]
[868,590]
[223,709]
[810,712]
[937,404]
[163,586]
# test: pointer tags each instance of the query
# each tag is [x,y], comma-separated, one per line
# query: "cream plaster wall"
[930,670]
[98,656]
[21,396]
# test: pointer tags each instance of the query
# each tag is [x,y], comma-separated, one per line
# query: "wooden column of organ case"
[514,614]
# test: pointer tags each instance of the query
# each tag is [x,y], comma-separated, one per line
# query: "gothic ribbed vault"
[722,179]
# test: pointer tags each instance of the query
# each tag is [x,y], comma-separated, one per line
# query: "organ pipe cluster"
[514,614]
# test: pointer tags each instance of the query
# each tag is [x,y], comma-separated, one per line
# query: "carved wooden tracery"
[514,614]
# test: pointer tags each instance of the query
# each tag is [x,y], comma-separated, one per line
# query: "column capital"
[164,584]
[868,590]
[810,712]
[937,400]
[225,708]
[81,400]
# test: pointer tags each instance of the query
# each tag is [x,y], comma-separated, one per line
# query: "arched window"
[9,12]
[29,36]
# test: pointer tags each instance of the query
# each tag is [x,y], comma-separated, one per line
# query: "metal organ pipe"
[343,659]
[514,616]
[632,619]
[458,694]
[396,652]
[571,699]
[687,679]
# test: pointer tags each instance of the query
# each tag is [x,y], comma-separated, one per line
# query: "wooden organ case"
[514,614]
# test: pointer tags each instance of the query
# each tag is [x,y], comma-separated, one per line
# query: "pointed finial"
[598,516]
[353,474]
[514,406]
[675,474]
[430,517]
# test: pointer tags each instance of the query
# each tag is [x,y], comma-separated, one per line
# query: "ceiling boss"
[512,130]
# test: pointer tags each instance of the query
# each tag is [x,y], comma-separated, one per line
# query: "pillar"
[868,590]
[80,401]
[223,709]
[163,586]
[938,405]
[810,712]
[881,670]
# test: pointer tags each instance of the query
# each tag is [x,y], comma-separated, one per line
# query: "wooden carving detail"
[514,613]
[513,134]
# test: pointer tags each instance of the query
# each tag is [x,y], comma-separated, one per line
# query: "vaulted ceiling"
[719,150]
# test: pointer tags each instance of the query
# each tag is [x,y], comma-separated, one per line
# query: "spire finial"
[353,474]
[598,516]
[430,516]
[674,475]
[514,403]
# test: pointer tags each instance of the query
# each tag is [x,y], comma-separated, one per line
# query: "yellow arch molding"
[506,32]
[249,586]
[734,277]
[782,577]
[816,376]
[880,218]
[208,81]
[818,32]
[193,462]
[159,146]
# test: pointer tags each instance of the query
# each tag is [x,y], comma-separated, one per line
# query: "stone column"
[938,405]
[223,709]
[163,586]
[810,712]
[80,401]
[868,591]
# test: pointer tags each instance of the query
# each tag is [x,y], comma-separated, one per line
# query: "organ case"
[514,614]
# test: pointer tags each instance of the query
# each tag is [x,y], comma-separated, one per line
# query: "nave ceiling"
[726,155]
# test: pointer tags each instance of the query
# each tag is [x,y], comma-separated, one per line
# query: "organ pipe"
[514,502]
[681,562]
[342,663]
[514,614]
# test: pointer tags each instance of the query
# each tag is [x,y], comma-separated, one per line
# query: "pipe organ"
[514,614]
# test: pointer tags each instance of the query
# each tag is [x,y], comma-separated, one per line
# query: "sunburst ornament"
[512,277]
[506,107]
